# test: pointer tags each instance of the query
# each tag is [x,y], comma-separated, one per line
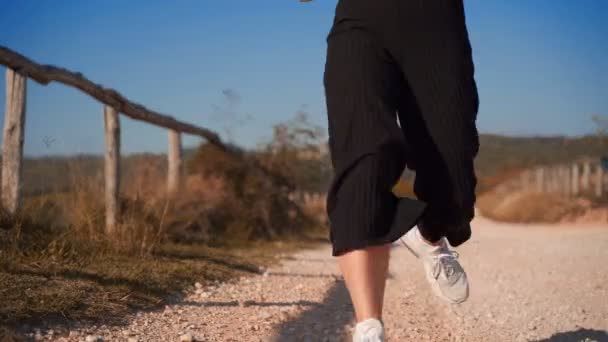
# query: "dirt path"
[540,283]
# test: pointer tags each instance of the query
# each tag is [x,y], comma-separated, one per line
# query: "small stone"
[308,338]
[38,337]
[198,285]
[92,338]
[186,338]
[132,339]
[74,333]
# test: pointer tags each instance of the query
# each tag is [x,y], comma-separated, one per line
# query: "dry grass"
[107,287]
[57,266]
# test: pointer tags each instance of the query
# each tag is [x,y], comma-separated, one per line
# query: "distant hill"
[499,156]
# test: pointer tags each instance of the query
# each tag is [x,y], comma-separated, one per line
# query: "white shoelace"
[444,260]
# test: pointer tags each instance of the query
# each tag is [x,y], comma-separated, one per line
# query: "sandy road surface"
[529,283]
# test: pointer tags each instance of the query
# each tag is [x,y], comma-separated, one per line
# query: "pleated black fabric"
[411,60]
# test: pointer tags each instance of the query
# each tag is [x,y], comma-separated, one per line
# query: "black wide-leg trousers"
[400,93]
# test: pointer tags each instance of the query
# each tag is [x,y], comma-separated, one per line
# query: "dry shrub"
[255,204]
[528,207]
[486,183]
[188,215]
[314,205]
[145,177]
[259,204]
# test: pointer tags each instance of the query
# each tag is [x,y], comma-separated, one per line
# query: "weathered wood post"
[538,179]
[599,180]
[12,147]
[586,176]
[547,179]
[567,180]
[575,180]
[551,180]
[559,179]
[556,187]
[112,167]
[559,183]
[174,173]
[559,170]
[526,180]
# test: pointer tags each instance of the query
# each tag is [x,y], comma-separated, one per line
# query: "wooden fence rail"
[20,68]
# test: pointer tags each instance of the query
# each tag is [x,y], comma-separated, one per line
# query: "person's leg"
[364,272]
[432,48]
[432,181]
[437,110]
[368,157]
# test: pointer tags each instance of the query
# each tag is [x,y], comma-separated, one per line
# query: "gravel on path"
[528,283]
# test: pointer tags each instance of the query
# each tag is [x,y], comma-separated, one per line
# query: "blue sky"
[541,66]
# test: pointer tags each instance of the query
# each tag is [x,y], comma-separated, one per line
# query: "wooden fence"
[586,177]
[20,68]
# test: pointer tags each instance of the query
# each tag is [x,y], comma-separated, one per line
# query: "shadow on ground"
[320,321]
[578,335]
[246,303]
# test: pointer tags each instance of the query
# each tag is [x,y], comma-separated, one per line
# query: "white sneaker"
[443,271]
[369,330]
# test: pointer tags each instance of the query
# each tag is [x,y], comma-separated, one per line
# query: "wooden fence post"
[567,180]
[575,180]
[550,180]
[599,180]
[556,187]
[586,176]
[112,167]
[174,173]
[539,179]
[546,179]
[526,180]
[12,147]
[560,179]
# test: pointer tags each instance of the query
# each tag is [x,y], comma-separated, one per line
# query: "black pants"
[400,92]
